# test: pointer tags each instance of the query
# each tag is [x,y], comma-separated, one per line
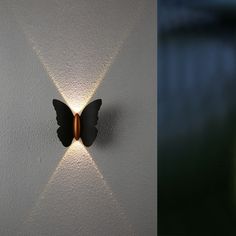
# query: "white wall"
[77,50]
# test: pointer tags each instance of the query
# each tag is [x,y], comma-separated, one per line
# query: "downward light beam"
[77,199]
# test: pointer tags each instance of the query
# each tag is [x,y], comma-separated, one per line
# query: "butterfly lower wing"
[65,119]
[88,120]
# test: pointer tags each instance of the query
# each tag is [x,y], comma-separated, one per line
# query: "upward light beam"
[77,192]
[77,60]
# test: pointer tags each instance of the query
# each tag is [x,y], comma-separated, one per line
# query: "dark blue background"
[196,117]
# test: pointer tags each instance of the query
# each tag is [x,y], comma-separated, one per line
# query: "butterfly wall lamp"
[77,126]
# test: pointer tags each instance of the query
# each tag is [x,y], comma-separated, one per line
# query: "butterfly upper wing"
[65,119]
[88,121]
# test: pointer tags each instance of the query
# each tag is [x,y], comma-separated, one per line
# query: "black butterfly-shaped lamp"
[76,126]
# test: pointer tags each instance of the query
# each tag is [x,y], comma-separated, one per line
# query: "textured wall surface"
[77,51]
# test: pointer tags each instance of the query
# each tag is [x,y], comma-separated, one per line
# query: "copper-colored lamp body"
[76,126]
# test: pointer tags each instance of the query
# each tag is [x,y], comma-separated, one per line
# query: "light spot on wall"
[77,191]
[77,55]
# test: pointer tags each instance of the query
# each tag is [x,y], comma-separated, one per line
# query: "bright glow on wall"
[77,54]
[82,195]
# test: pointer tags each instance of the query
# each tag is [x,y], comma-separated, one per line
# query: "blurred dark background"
[197,117]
